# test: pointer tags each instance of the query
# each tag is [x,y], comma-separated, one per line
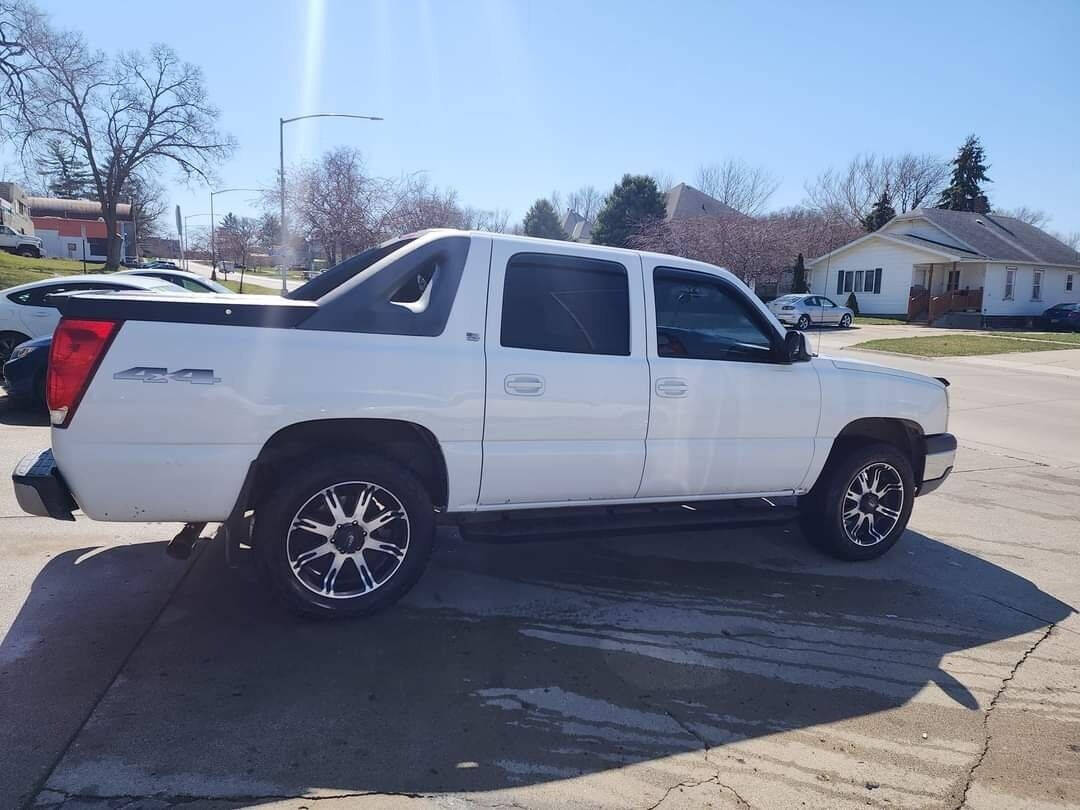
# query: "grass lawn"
[879,320]
[958,345]
[19,269]
[252,289]
[1051,337]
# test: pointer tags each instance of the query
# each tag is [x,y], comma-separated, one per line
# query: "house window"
[953,281]
[858,281]
[1010,283]
[1036,285]
[1068,282]
[849,280]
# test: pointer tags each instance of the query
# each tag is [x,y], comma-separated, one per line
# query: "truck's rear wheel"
[346,537]
[861,505]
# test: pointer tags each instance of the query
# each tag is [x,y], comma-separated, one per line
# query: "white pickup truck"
[506,384]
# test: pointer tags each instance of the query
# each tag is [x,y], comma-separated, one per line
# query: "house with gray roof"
[953,267]
[686,202]
[577,227]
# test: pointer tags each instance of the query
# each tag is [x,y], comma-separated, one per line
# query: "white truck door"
[728,415]
[567,378]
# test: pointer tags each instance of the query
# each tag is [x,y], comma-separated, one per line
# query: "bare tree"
[496,220]
[418,205]
[16,17]
[852,191]
[585,202]
[1032,216]
[335,203]
[745,188]
[147,199]
[754,248]
[1071,239]
[664,181]
[237,236]
[132,113]
[915,179]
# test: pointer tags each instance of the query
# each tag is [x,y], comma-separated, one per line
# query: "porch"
[937,290]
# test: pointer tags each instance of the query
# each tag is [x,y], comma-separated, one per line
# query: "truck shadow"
[527,664]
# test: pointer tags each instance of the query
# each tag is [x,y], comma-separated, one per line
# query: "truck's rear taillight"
[78,348]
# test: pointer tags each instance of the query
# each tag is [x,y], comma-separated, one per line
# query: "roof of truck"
[577,247]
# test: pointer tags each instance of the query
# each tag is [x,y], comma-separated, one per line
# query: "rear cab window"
[559,303]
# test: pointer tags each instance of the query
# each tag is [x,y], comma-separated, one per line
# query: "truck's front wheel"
[346,537]
[861,505]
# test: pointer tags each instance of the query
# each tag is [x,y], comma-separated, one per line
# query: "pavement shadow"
[522,665]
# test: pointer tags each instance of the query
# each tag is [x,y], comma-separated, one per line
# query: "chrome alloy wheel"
[348,540]
[873,504]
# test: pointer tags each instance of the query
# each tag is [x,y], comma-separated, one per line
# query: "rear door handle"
[524,385]
[673,387]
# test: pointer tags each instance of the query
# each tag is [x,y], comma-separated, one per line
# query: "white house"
[930,262]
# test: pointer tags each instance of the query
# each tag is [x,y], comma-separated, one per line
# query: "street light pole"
[281,174]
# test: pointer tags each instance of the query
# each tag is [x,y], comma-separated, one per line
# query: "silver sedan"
[802,310]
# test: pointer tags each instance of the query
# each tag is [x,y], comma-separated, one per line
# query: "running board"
[550,524]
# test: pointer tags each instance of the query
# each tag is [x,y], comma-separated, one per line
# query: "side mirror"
[795,346]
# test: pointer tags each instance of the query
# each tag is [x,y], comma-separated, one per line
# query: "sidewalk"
[269,282]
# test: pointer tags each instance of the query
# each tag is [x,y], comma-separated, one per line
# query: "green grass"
[249,289]
[19,269]
[957,345]
[880,320]
[1050,337]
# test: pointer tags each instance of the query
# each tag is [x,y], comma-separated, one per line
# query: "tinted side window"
[704,319]
[566,304]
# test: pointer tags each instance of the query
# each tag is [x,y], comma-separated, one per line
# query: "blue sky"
[505,101]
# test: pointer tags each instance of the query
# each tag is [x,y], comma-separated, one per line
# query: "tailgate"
[223,310]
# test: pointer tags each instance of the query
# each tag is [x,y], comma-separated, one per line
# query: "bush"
[852,303]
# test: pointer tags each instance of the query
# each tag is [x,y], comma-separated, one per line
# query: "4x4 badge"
[156,374]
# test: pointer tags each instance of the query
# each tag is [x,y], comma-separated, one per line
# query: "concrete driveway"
[737,669]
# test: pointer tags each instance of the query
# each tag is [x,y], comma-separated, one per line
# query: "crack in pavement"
[989,710]
[714,779]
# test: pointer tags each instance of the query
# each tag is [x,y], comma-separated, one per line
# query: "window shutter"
[877,279]
[839,281]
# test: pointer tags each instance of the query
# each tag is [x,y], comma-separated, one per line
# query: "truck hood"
[873,368]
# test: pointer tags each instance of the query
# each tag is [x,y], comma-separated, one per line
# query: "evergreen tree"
[798,276]
[881,213]
[541,220]
[69,177]
[969,170]
[636,200]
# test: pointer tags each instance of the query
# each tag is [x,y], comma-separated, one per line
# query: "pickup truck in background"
[14,242]
[493,381]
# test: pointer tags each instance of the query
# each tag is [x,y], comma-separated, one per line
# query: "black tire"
[845,322]
[821,511]
[804,323]
[8,342]
[30,252]
[348,476]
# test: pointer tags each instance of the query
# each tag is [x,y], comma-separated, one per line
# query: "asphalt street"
[723,669]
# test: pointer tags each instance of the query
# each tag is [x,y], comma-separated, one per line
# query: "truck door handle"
[673,387]
[524,385]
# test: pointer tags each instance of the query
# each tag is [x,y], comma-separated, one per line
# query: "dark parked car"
[24,372]
[1063,316]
